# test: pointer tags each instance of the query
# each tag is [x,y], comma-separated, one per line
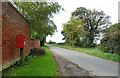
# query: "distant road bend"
[98,66]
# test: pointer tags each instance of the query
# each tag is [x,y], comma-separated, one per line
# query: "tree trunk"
[42,42]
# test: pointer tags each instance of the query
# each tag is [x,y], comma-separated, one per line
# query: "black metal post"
[21,55]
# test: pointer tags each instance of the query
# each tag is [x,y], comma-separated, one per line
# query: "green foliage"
[60,43]
[93,51]
[39,14]
[111,40]
[95,22]
[51,42]
[71,31]
[38,66]
[42,42]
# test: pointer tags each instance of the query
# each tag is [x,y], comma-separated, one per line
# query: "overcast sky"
[110,7]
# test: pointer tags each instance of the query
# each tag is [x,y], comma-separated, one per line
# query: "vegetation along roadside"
[93,51]
[43,65]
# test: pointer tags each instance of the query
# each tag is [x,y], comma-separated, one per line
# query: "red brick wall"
[13,23]
[0,33]
[35,43]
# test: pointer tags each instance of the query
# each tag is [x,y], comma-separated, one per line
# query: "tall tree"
[71,31]
[95,22]
[39,14]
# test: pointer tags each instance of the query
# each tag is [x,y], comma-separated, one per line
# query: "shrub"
[60,43]
[52,42]
[36,51]
[111,40]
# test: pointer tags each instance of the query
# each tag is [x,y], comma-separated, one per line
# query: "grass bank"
[93,51]
[43,65]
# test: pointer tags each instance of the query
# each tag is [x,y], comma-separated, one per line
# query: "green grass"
[93,51]
[43,65]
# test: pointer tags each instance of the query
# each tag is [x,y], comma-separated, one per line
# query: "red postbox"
[20,41]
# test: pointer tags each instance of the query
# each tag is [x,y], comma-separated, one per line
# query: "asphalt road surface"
[97,66]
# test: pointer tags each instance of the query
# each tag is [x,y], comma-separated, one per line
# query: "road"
[97,66]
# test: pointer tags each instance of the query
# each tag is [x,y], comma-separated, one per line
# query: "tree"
[71,31]
[39,14]
[95,22]
[111,39]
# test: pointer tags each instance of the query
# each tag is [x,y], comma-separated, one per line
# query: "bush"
[52,42]
[36,51]
[111,40]
[85,43]
[60,43]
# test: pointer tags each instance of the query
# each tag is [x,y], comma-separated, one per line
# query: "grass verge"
[43,65]
[93,51]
